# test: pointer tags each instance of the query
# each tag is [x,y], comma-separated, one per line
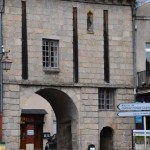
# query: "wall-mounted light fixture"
[6,62]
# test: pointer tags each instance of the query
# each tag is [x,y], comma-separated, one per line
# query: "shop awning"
[34,111]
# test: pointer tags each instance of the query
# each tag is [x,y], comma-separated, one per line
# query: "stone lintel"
[110,2]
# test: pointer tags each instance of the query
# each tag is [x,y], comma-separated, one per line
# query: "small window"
[50,53]
[90,22]
[106,99]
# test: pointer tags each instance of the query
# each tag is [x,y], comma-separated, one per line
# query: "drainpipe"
[134,48]
[1,69]
[134,58]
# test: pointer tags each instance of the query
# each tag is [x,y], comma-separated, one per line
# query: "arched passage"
[66,115]
[106,138]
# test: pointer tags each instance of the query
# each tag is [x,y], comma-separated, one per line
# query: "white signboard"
[92,148]
[134,106]
[141,132]
[134,113]
[30,132]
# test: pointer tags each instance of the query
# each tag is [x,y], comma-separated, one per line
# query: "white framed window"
[50,53]
[147,55]
[106,99]
[147,50]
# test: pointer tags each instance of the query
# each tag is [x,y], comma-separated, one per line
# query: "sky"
[141,2]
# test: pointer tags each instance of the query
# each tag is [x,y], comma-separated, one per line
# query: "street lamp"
[6,62]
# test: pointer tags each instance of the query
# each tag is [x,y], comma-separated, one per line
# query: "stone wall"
[53,20]
[85,130]
[89,117]
[122,126]
[11,116]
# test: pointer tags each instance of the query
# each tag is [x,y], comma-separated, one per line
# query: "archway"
[66,115]
[106,138]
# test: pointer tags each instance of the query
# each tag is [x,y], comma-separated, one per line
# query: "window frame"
[103,102]
[50,62]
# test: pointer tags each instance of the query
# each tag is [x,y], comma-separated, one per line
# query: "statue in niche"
[90,21]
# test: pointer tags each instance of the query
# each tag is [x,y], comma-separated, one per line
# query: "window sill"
[51,70]
[90,32]
[106,109]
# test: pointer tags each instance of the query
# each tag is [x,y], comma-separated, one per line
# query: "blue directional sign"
[134,106]
[134,113]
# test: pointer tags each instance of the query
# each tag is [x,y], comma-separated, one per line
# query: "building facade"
[142,46]
[78,56]
[142,51]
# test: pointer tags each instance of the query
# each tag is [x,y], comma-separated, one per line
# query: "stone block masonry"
[77,102]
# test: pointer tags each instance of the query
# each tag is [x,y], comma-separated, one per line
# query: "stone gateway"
[82,71]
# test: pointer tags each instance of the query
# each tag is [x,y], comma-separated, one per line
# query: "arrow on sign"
[134,106]
[134,113]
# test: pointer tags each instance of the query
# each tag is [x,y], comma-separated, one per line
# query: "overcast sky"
[141,2]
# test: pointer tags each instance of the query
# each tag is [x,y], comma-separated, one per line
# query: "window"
[50,53]
[106,99]
[147,54]
[54,127]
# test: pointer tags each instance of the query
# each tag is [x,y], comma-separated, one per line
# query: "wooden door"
[23,137]
[38,137]
[33,123]
[64,136]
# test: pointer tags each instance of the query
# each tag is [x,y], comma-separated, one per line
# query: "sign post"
[145,129]
[133,113]
[135,109]
[134,106]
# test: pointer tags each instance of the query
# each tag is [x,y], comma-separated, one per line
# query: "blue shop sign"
[138,119]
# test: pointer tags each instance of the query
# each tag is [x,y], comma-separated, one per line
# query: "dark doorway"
[106,139]
[148,123]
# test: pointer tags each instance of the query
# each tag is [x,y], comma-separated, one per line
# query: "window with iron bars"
[50,53]
[106,99]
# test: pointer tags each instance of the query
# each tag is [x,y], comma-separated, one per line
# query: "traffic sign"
[134,113]
[134,106]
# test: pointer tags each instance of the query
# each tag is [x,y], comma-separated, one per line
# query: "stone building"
[78,56]
[142,61]
[142,47]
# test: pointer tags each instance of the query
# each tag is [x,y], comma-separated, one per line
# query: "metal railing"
[143,78]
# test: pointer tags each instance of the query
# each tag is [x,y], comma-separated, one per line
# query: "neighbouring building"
[77,56]
[142,49]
